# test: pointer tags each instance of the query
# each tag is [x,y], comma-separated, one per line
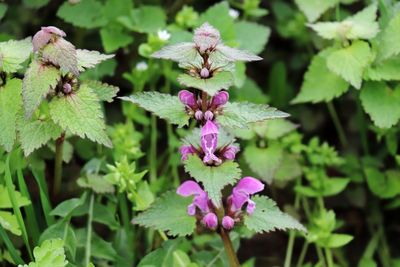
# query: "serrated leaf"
[350,62]
[168,213]
[214,178]
[267,217]
[81,114]
[225,53]
[384,70]
[114,38]
[49,254]
[148,19]
[220,80]
[264,161]
[181,52]
[10,104]
[83,14]
[9,222]
[165,106]
[88,59]
[97,183]
[381,103]
[34,133]
[38,81]
[274,129]
[251,36]
[240,114]
[13,53]
[104,91]
[389,39]
[320,84]
[5,202]
[61,53]
[313,9]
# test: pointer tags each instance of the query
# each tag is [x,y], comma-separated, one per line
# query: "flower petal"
[189,188]
[210,220]
[249,185]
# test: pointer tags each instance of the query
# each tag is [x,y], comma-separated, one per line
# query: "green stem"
[44,197]
[362,125]
[320,255]
[303,253]
[153,149]
[292,236]
[230,252]
[89,231]
[58,164]
[10,247]
[163,235]
[336,122]
[329,257]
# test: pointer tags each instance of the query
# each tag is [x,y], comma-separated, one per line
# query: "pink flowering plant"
[216,198]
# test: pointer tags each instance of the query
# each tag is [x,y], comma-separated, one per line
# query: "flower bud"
[206,37]
[210,221]
[204,73]
[228,222]
[208,115]
[230,152]
[198,115]
[220,99]
[186,150]
[67,88]
[187,98]
[42,37]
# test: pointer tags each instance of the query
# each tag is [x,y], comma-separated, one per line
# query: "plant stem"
[89,231]
[320,255]
[204,101]
[303,253]
[362,126]
[329,258]
[10,247]
[292,236]
[58,164]
[230,252]
[153,149]
[336,122]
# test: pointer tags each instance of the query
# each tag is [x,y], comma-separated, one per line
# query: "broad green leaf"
[240,114]
[214,178]
[313,9]
[334,186]
[367,262]
[168,213]
[49,254]
[289,168]
[114,38]
[350,62]
[180,52]
[148,19]
[264,161]
[274,129]
[13,54]
[165,106]
[63,54]
[385,70]
[143,197]
[165,256]
[219,81]
[10,104]
[9,222]
[3,10]
[38,81]
[267,217]
[34,133]
[81,114]
[251,36]
[88,59]
[83,14]
[35,3]
[67,207]
[381,103]
[97,183]
[104,91]
[389,39]
[320,84]
[61,230]
[105,215]
[5,201]
[337,240]
[383,184]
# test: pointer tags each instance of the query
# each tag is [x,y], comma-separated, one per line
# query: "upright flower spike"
[209,140]
[206,37]
[242,192]
[200,200]
[43,37]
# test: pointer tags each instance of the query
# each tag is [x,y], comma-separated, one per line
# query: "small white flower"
[142,66]
[164,35]
[233,13]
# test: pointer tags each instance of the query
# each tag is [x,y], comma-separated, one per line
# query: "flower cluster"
[240,199]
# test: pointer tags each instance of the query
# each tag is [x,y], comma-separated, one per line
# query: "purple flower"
[198,115]
[204,73]
[220,99]
[242,192]
[208,115]
[187,98]
[43,37]
[206,37]
[186,150]
[200,200]
[228,222]
[230,152]
[209,139]
[210,220]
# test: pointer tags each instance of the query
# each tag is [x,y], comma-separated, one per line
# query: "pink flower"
[209,139]
[220,99]
[187,150]
[208,115]
[187,98]
[228,222]
[198,115]
[242,192]
[43,37]
[206,37]
[210,221]
[230,152]
[200,200]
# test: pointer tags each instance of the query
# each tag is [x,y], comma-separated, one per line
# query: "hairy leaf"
[114,38]
[104,91]
[83,14]
[214,178]
[9,222]
[220,80]
[49,254]
[388,41]
[267,217]
[168,213]
[88,59]
[61,53]
[229,54]
[258,34]
[313,9]
[165,106]
[81,114]
[5,202]
[385,70]
[181,52]
[14,53]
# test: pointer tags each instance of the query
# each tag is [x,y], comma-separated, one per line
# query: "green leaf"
[83,14]
[5,201]
[350,62]
[66,207]
[36,3]
[148,19]
[104,91]
[264,161]
[80,113]
[251,36]
[9,222]
[63,54]
[275,129]
[38,81]
[14,53]
[3,10]
[218,16]
[267,217]
[10,104]
[168,213]
[384,70]
[334,186]
[165,106]
[337,240]
[220,80]
[240,114]
[383,185]
[320,84]
[164,256]
[88,59]
[97,183]
[34,133]
[381,103]
[114,38]
[214,178]
[313,9]
[389,39]
[289,168]
[49,254]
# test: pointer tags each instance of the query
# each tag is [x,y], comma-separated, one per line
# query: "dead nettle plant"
[50,102]
[208,152]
